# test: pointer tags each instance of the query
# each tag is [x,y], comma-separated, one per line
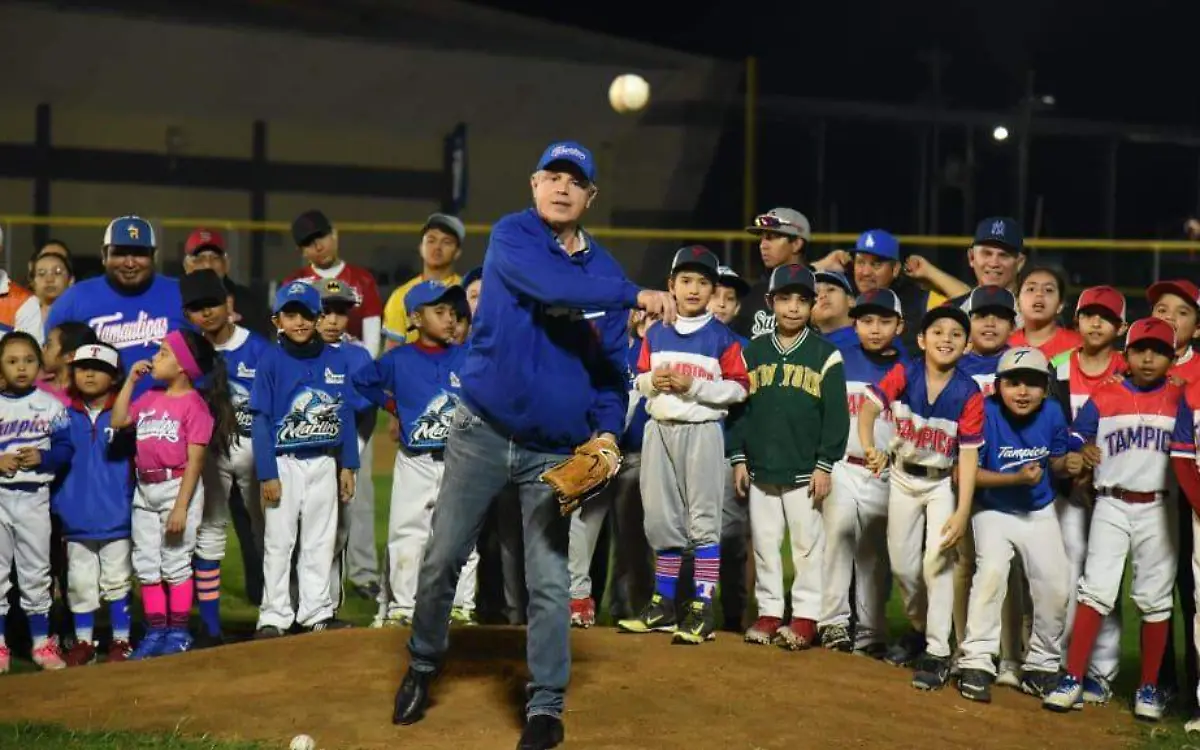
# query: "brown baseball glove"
[582,476]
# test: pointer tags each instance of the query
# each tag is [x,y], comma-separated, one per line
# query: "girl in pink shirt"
[175,425]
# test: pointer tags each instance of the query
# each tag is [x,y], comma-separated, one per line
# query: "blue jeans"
[479,463]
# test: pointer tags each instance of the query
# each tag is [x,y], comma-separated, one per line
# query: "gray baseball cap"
[448,223]
[335,290]
[786,221]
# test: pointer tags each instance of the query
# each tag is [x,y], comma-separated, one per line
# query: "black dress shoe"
[542,732]
[412,698]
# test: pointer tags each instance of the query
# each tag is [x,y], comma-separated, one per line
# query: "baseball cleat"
[81,654]
[975,685]
[208,640]
[1067,696]
[119,650]
[178,641]
[462,617]
[658,616]
[931,672]
[1038,682]
[267,632]
[875,650]
[1148,703]
[797,635]
[1009,676]
[697,626]
[48,656]
[1193,724]
[151,645]
[1096,691]
[837,638]
[5,659]
[328,624]
[906,650]
[583,612]
[763,631]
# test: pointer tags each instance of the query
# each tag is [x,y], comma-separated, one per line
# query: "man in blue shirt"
[1025,441]
[544,374]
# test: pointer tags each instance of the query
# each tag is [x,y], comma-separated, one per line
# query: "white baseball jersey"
[31,420]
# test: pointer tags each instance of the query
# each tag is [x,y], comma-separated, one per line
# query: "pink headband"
[183,355]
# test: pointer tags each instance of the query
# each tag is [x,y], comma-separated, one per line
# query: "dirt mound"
[627,692]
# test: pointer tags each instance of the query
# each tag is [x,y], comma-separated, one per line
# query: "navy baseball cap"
[202,286]
[129,231]
[726,276]
[877,301]
[991,297]
[572,153]
[475,274]
[834,277]
[298,293]
[1001,232]
[879,243]
[310,225]
[791,275]
[696,258]
[432,293]
[953,312]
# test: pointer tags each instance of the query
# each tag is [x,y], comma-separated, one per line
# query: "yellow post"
[750,156]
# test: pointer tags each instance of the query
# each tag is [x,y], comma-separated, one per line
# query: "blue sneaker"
[178,641]
[1066,696]
[1096,690]
[1148,703]
[151,645]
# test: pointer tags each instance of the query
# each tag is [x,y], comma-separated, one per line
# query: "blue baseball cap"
[299,293]
[432,293]
[877,300]
[792,275]
[572,153]
[834,277]
[129,231]
[475,274]
[1001,232]
[879,243]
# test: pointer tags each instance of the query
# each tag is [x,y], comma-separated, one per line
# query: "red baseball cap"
[1151,329]
[1104,297]
[204,239]
[1180,288]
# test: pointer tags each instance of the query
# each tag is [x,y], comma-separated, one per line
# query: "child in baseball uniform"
[1100,320]
[1040,301]
[1025,442]
[305,456]
[1187,473]
[337,302]
[938,413]
[1178,303]
[784,444]
[34,444]
[60,347]
[95,503]
[690,374]
[855,513]
[1125,433]
[206,306]
[175,425]
[418,383]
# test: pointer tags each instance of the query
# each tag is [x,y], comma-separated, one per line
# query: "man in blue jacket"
[545,373]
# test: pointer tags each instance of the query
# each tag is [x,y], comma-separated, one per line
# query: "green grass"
[240,616]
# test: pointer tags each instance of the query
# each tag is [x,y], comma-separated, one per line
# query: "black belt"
[438,455]
[928,472]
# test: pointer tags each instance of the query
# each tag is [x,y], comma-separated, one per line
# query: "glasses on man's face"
[46,273]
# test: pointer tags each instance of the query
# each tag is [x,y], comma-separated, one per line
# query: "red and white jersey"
[1079,382]
[930,434]
[1185,439]
[1135,432]
[1186,368]
[359,280]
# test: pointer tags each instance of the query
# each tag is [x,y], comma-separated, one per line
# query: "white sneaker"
[1009,676]
[1067,697]
[1148,703]
[1193,724]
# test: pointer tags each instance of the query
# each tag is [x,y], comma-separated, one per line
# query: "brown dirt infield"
[627,692]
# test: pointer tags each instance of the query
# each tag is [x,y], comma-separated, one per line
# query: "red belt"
[158,476]
[1129,496]
[855,461]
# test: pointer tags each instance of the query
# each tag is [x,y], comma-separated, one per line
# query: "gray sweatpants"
[683,484]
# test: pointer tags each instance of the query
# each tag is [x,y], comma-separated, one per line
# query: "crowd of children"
[1002,478]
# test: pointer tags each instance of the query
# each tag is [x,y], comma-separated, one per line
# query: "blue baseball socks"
[208,593]
[707,571]
[666,573]
[118,613]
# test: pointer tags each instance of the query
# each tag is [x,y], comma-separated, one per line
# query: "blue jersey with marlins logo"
[422,383]
[242,353]
[1010,443]
[301,404]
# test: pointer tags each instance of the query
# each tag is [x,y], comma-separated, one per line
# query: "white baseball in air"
[303,742]
[628,93]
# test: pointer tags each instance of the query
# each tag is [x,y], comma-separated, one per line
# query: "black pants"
[1186,585]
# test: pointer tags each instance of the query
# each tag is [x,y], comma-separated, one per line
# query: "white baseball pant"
[98,571]
[25,544]
[221,474]
[775,509]
[416,480]
[306,511]
[1120,529]
[855,520]
[361,558]
[157,556]
[633,554]
[1037,539]
[1074,518]
[1196,573]
[918,507]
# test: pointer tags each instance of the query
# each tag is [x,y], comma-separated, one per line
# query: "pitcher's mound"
[626,692]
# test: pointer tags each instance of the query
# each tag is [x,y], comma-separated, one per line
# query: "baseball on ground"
[303,742]
[628,93]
